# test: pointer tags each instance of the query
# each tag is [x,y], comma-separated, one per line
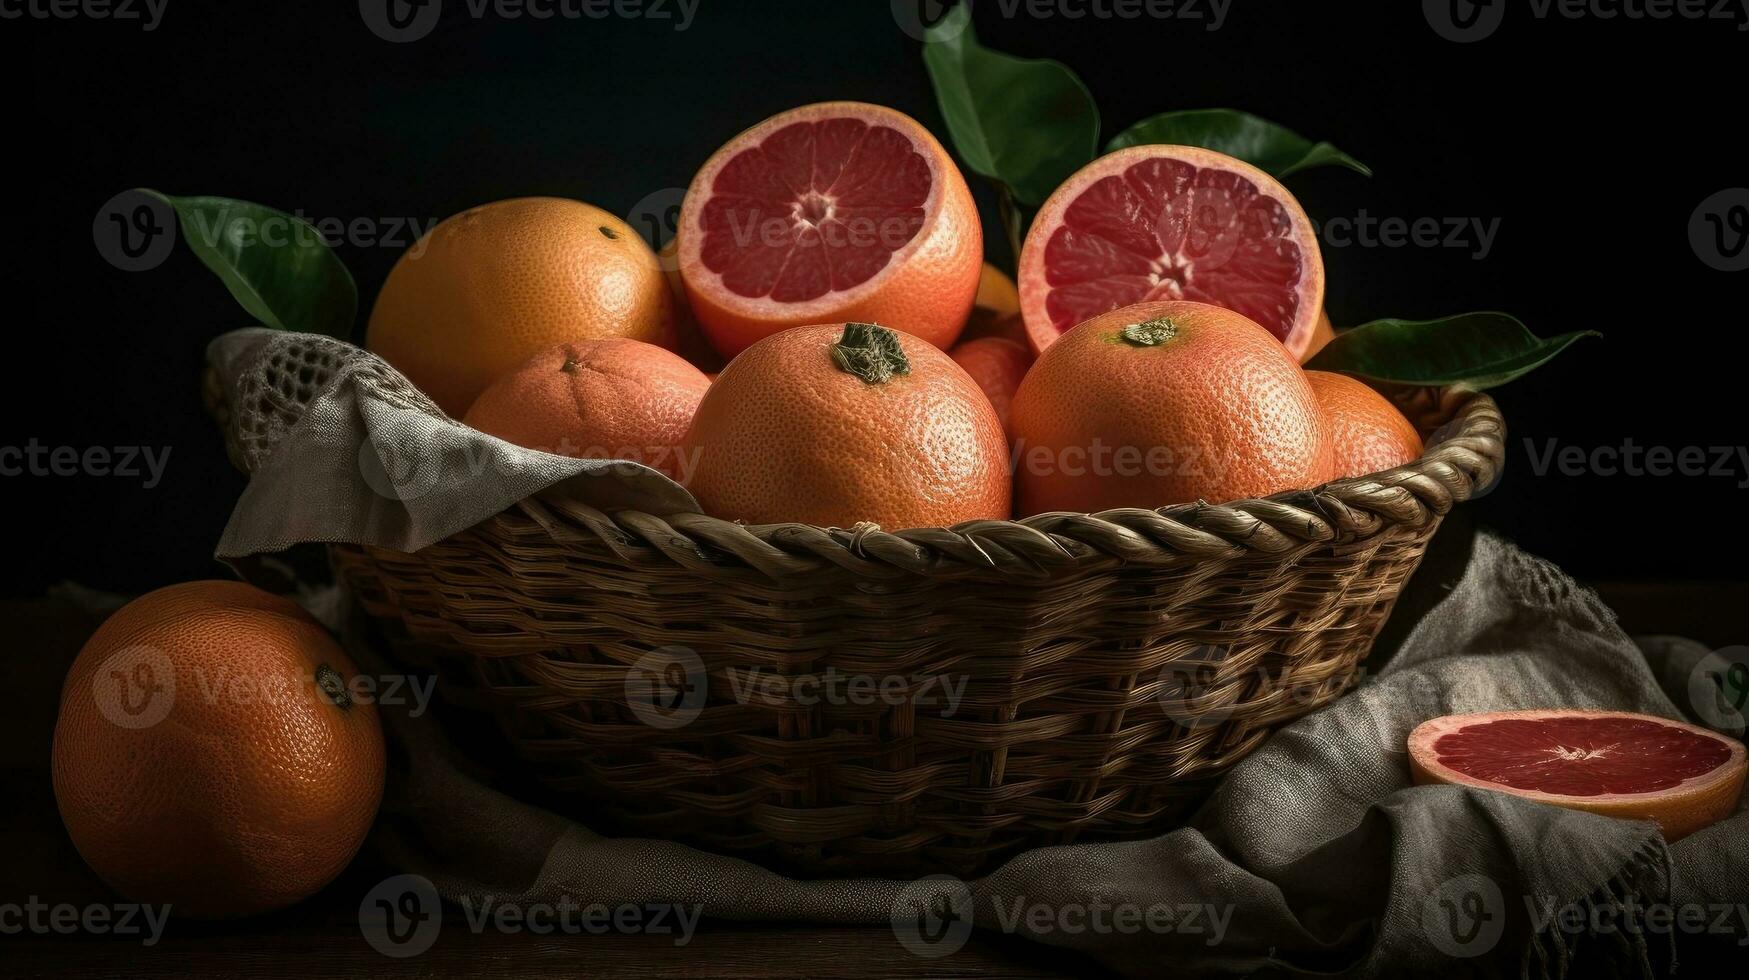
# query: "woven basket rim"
[1461,458]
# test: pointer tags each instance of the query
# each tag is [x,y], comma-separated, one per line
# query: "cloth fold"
[1313,856]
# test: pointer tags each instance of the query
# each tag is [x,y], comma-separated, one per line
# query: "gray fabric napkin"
[1314,855]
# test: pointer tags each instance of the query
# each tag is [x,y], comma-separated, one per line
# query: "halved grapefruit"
[1637,767]
[839,211]
[1171,222]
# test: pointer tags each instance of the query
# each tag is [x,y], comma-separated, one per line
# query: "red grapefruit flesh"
[1171,222]
[839,211]
[1637,767]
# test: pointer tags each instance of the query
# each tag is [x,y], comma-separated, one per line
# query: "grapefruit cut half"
[833,212]
[1637,767]
[1171,222]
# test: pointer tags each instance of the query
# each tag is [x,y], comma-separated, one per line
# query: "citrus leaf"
[1027,124]
[1474,350]
[277,266]
[1274,149]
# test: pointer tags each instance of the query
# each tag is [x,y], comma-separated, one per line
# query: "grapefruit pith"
[833,212]
[1171,222]
[1637,767]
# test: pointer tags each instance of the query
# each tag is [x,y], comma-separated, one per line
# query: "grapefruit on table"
[491,287]
[210,753]
[1638,767]
[1171,222]
[601,399]
[837,424]
[1367,433]
[833,212]
[1163,403]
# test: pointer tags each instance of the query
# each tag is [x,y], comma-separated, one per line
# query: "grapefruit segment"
[1171,222]
[1636,767]
[839,211]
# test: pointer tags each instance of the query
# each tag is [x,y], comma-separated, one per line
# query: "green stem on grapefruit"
[570,366]
[331,684]
[1149,333]
[871,352]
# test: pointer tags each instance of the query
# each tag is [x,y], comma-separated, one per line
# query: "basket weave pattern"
[1106,667]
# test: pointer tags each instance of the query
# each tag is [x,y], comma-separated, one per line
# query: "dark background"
[1591,160]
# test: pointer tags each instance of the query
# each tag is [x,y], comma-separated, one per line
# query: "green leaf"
[1474,350]
[1028,124]
[1274,149]
[277,266]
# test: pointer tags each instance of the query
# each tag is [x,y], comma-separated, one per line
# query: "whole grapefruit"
[1163,403]
[490,287]
[1367,433]
[997,364]
[837,424]
[212,751]
[600,399]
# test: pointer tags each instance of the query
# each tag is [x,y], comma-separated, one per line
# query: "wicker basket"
[674,675]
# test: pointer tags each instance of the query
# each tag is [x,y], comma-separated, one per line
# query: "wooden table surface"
[322,936]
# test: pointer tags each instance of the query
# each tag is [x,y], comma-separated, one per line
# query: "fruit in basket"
[601,399]
[1164,403]
[996,308]
[212,752]
[837,424]
[490,287]
[997,364]
[838,211]
[1322,333]
[689,341]
[1637,767]
[1159,222]
[1367,433]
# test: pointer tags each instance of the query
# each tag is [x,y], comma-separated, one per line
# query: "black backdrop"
[1590,162]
